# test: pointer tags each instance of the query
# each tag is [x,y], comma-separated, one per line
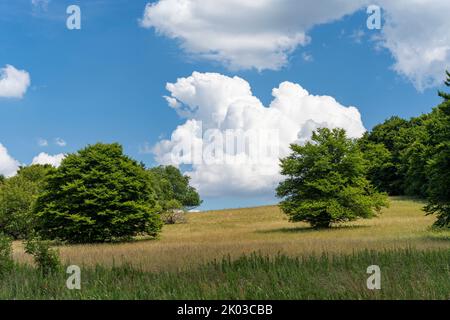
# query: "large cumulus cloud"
[211,101]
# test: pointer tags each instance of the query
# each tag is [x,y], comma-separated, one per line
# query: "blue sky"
[106,82]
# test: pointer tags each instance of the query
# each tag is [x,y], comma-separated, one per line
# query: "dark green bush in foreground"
[406,274]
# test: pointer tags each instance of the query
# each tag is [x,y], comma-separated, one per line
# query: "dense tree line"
[412,157]
[97,194]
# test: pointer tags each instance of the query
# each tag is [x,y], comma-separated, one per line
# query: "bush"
[173,213]
[174,216]
[46,259]
[326,181]
[98,194]
[6,260]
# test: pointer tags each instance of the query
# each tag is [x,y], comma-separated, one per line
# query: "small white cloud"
[42,142]
[60,142]
[40,4]
[8,165]
[45,158]
[13,83]
[173,103]
[307,57]
[357,36]
[145,148]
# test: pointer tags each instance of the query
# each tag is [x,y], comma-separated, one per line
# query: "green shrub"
[45,258]
[173,213]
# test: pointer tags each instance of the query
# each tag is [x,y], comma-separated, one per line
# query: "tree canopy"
[326,181]
[412,157]
[438,167]
[17,197]
[173,189]
[98,194]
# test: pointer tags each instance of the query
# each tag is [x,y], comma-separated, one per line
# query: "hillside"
[215,234]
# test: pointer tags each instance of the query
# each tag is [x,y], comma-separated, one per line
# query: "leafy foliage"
[17,197]
[412,157]
[385,171]
[170,184]
[98,194]
[438,167]
[326,181]
[46,259]
[6,260]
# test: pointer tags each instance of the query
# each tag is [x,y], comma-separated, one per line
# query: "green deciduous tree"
[170,184]
[98,194]
[326,181]
[389,177]
[17,197]
[380,168]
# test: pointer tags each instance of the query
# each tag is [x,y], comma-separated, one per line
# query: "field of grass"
[215,234]
[405,274]
[266,257]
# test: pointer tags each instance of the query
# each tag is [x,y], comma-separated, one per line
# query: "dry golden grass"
[214,234]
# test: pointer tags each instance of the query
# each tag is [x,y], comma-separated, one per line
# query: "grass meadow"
[255,253]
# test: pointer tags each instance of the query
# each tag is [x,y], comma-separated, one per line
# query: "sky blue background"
[105,82]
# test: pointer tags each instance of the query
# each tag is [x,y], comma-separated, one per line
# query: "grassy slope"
[326,264]
[215,234]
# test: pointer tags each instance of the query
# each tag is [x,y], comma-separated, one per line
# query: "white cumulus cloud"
[417,34]
[45,158]
[8,165]
[242,34]
[215,101]
[246,34]
[13,83]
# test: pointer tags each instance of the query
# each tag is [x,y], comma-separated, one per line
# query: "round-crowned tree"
[326,181]
[98,194]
